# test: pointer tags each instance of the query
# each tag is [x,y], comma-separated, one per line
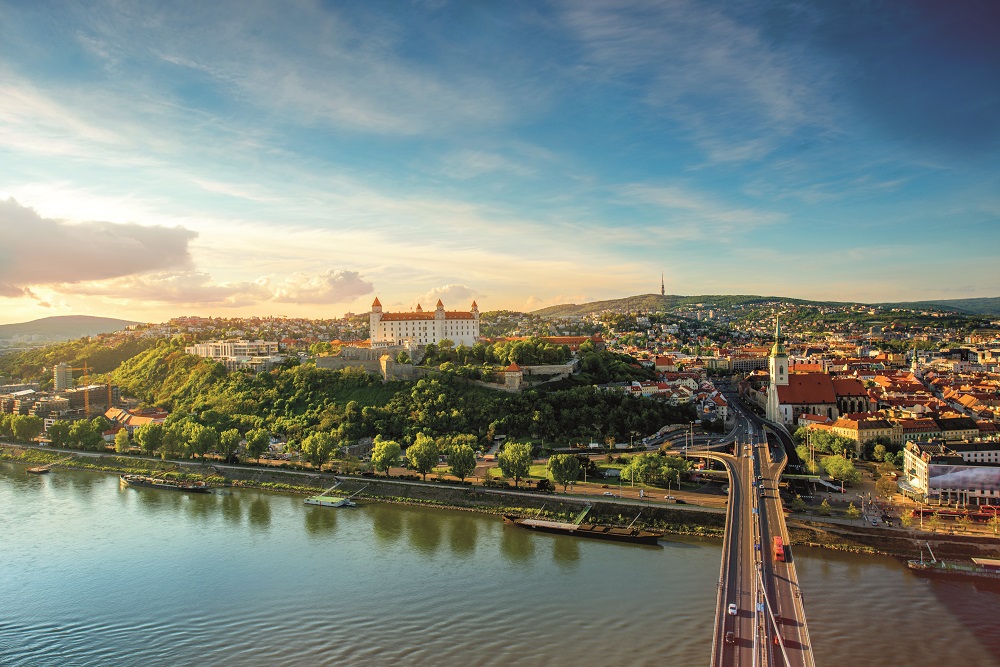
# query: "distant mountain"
[657,302]
[978,306]
[66,327]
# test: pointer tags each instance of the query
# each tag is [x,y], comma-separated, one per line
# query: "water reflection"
[202,506]
[425,531]
[517,544]
[566,552]
[387,523]
[320,520]
[232,508]
[463,534]
[260,513]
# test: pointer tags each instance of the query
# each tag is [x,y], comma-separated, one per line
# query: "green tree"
[317,447]
[5,429]
[385,454]
[201,439]
[150,437]
[798,505]
[906,519]
[878,453]
[26,427]
[462,461]
[173,440]
[852,512]
[423,454]
[994,523]
[59,433]
[564,468]
[841,469]
[886,486]
[933,522]
[122,441]
[824,507]
[229,442]
[514,460]
[258,441]
[85,435]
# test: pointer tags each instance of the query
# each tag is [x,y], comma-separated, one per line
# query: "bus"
[779,549]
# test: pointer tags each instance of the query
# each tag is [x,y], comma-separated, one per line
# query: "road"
[769,627]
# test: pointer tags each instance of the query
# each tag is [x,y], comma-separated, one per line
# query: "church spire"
[778,348]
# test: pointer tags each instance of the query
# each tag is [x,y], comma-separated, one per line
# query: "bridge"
[760,618]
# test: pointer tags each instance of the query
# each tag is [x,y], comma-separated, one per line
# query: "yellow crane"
[86,384]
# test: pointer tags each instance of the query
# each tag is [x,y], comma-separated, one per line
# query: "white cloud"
[39,251]
[454,297]
[333,286]
[199,289]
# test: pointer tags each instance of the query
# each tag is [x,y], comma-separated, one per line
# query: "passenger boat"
[579,529]
[988,568]
[160,483]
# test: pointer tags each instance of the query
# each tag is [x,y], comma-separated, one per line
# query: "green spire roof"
[778,349]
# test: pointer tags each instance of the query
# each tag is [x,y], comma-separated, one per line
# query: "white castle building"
[420,328]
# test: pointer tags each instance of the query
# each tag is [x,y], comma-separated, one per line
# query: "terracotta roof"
[513,368]
[849,387]
[807,389]
[376,302]
[399,317]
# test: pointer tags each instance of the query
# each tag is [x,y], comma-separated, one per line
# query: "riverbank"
[673,519]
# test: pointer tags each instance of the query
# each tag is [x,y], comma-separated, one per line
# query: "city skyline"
[301,159]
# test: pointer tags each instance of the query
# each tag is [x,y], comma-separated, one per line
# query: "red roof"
[849,387]
[807,389]
[513,368]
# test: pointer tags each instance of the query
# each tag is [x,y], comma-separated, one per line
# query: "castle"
[420,328]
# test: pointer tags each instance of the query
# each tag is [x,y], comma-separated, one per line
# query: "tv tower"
[663,287]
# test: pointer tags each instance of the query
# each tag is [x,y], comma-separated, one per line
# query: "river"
[97,574]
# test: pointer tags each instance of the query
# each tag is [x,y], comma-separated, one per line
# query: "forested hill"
[298,400]
[64,327]
[660,303]
[989,306]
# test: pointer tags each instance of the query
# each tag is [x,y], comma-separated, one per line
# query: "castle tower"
[374,319]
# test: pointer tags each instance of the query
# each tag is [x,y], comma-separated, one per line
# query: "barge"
[592,530]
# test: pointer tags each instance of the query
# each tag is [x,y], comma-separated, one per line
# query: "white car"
[608,493]
[732,609]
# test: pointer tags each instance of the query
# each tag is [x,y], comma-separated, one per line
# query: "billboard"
[964,477]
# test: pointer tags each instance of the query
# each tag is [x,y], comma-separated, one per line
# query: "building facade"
[423,328]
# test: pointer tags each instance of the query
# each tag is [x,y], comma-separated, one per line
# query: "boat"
[330,501]
[160,483]
[592,530]
[325,500]
[987,568]
[38,470]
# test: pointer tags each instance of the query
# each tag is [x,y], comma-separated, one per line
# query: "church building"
[420,328]
[792,394]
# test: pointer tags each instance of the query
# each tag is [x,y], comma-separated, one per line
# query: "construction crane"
[86,390]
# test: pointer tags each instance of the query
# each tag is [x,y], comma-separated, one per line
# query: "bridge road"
[766,592]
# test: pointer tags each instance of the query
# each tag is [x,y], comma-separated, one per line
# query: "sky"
[300,158]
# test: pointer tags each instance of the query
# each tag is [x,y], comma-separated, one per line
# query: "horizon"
[300,160]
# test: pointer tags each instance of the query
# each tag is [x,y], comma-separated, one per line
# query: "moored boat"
[38,470]
[988,568]
[330,501]
[592,530]
[160,483]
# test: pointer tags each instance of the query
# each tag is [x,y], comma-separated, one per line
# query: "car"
[668,497]
[762,493]
[730,637]
[757,546]
[732,609]
[874,522]
[608,493]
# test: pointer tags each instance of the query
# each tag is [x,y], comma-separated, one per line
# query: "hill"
[66,327]
[977,306]
[660,303]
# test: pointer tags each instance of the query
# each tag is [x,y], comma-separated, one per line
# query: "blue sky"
[301,158]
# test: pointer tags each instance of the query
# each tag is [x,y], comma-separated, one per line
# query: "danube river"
[96,574]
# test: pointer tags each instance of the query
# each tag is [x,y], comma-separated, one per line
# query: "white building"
[953,472]
[420,328]
[252,355]
[62,377]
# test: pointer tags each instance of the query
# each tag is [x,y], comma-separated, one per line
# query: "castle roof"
[376,302]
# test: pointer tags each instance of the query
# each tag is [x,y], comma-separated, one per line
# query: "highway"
[769,626]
